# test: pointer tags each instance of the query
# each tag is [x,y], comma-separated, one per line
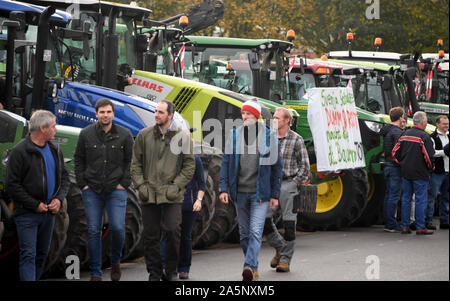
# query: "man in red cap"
[251,175]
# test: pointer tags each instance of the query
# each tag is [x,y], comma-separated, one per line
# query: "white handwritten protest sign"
[334,125]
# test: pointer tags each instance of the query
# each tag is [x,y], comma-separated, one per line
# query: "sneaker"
[412,226]
[94,278]
[183,275]
[247,274]
[430,226]
[275,260]
[393,230]
[406,231]
[283,267]
[443,226]
[424,231]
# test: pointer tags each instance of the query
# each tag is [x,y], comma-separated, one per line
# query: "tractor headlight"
[374,126]
[54,90]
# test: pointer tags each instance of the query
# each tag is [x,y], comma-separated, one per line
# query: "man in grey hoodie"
[392,172]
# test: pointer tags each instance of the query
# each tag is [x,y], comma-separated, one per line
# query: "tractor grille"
[183,98]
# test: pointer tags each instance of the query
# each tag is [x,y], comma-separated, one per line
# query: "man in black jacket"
[102,170]
[37,181]
[439,178]
[392,171]
[414,152]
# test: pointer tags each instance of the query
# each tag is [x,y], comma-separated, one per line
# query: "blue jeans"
[393,177]
[419,188]
[185,258]
[94,205]
[438,182]
[34,231]
[251,215]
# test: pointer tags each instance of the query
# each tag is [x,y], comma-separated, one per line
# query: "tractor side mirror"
[86,28]
[141,43]
[254,61]
[387,82]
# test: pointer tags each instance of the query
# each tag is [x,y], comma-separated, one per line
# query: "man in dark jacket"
[392,172]
[439,178]
[414,152]
[102,169]
[37,181]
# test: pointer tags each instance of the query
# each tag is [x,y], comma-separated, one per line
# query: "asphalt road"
[354,254]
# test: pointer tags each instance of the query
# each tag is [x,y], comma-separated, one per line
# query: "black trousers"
[157,218]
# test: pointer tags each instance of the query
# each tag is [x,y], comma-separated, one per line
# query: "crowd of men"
[261,170]
[416,168]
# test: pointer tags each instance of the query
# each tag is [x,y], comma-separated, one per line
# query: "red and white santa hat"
[253,107]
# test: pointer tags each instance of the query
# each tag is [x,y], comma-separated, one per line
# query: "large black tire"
[354,186]
[59,236]
[9,254]
[133,224]
[224,219]
[206,214]
[373,213]
[76,242]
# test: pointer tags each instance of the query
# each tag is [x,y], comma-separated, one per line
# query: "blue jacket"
[270,169]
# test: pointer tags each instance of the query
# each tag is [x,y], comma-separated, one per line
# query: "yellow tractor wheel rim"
[329,193]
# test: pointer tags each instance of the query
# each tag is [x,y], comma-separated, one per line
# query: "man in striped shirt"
[295,173]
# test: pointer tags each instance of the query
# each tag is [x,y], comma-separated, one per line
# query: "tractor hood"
[131,111]
[156,87]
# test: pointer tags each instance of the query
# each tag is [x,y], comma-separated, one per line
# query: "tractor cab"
[23,38]
[246,66]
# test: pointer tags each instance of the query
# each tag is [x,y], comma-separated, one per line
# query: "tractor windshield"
[300,83]
[227,68]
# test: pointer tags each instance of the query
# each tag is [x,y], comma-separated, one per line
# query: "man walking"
[37,181]
[439,178]
[251,175]
[102,170]
[295,173]
[414,152]
[161,172]
[392,172]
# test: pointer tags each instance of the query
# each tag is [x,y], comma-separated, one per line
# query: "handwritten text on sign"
[334,125]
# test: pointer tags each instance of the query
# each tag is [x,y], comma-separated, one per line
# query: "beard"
[162,121]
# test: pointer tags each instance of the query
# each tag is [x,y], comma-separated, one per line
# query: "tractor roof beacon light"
[350,40]
[441,54]
[324,58]
[184,21]
[377,43]
[290,35]
[440,44]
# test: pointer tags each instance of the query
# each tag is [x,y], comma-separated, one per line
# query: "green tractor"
[415,77]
